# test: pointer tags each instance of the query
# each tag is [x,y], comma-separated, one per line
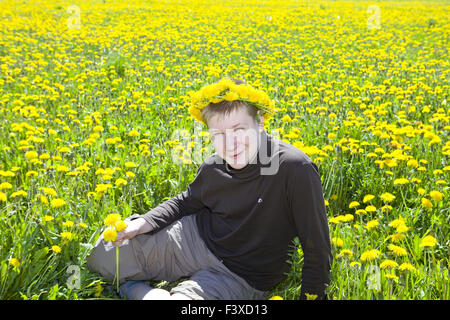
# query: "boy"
[230,232]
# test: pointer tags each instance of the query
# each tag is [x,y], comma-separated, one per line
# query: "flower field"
[93,114]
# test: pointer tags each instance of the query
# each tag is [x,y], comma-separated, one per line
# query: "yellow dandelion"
[57,203]
[428,241]
[398,251]
[401,181]
[133,133]
[110,234]
[338,242]
[120,225]
[66,235]
[368,197]
[395,223]
[387,197]
[112,219]
[310,296]
[83,225]
[388,264]
[426,203]
[407,266]
[370,255]
[56,249]
[3,197]
[130,164]
[436,195]
[353,204]
[47,218]
[391,276]
[14,262]
[275,298]
[5,185]
[120,182]
[68,224]
[372,224]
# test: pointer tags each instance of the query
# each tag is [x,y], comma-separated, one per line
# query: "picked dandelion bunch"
[115,224]
[227,90]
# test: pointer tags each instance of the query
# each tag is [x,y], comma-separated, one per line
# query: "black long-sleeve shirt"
[249,217]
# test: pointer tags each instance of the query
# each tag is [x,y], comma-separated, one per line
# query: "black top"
[248,217]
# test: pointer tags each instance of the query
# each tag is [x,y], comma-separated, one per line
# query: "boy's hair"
[225,107]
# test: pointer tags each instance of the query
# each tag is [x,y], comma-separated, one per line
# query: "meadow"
[93,116]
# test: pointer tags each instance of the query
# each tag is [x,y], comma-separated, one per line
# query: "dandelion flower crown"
[226,89]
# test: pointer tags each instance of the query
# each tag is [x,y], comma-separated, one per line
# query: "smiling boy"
[231,231]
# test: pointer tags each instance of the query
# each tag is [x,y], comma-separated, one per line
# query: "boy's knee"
[100,260]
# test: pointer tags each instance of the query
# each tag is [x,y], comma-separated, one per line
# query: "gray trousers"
[175,252]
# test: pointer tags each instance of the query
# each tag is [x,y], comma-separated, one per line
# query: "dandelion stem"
[117,269]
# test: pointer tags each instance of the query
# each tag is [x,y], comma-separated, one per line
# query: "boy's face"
[235,137]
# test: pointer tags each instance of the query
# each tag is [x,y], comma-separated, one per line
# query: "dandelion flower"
[112,219]
[371,208]
[66,235]
[120,226]
[5,185]
[387,197]
[395,223]
[130,164]
[426,203]
[368,197]
[56,249]
[338,242]
[133,133]
[18,194]
[370,255]
[392,276]
[48,218]
[57,203]
[353,204]
[371,224]
[402,228]
[98,289]
[2,197]
[31,155]
[276,298]
[49,191]
[120,182]
[110,234]
[83,225]
[68,224]
[401,181]
[398,251]
[344,253]
[407,266]
[428,241]
[388,264]
[436,195]
[311,296]
[14,262]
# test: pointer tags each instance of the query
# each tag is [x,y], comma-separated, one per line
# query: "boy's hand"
[134,228]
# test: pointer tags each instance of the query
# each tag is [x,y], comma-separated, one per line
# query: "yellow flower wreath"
[226,89]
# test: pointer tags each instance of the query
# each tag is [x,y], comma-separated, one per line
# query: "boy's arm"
[310,218]
[185,203]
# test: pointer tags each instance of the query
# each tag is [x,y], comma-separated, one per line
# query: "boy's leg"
[168,255]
